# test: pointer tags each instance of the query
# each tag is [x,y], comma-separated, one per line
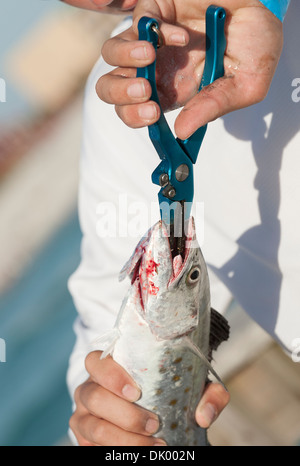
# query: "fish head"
[174,293]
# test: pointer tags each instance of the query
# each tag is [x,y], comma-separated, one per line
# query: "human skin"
[254,44]
[104,6]
[106,414]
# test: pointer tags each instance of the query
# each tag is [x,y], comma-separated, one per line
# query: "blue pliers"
[175,172]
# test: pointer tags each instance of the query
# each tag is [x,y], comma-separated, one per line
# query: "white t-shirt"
[247,178]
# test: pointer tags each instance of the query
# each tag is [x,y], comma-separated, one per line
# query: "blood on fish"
[135,273]
[147,286]
[152,289]
[151,267]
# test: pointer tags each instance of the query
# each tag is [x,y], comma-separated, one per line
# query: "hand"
[105,6]
[254,44]
[107,416]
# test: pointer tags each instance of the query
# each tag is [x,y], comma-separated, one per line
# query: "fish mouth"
[154,266]
[180,258]
[161,266]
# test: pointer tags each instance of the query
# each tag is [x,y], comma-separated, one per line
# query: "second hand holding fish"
[166,331]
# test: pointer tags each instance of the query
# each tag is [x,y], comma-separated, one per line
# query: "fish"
[166,331]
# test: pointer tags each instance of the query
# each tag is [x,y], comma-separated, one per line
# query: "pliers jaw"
[175,172]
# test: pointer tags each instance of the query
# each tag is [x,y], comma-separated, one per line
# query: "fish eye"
[193,276]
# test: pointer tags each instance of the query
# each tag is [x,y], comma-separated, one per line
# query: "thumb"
[171,34]
[212,403]
[227,94]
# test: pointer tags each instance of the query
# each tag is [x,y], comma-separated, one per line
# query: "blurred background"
[47,50]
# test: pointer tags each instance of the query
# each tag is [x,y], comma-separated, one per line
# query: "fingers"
[172,34]
[232,92]
[131,97]
[102,433]
[111,6]
[138,116]
[105,6]
[250,62]
[129,94]
[123,414]
[126,51]
[213,401]
[212,102]
[114,88]
[254,46]
[105,414]
[111,376]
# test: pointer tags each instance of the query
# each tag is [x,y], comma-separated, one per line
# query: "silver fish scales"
[165,333]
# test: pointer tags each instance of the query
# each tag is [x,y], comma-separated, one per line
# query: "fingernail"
[208,414]
[136,90]
[140,53]
[131,393]
[178,39]
[148,112]
[160,443]
[152,425]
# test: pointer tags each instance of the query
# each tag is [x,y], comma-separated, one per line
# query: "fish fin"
[106,342]
[219,330]
[195,350]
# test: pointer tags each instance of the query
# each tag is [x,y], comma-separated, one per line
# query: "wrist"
[278,7]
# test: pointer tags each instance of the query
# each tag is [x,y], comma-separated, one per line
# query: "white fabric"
[247,176]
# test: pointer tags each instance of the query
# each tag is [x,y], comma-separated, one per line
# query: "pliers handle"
[175,172]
